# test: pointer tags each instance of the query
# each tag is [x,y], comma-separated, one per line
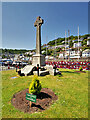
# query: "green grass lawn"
[71,89]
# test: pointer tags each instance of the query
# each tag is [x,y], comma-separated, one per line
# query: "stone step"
[50,69]
[27,69]
[41,73]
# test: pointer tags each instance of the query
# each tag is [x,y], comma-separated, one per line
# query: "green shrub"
[80,69]
[35,86]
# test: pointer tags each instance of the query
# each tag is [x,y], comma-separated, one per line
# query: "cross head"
[38,21]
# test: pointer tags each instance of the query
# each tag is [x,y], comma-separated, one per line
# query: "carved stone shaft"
[38,40]
[38,24]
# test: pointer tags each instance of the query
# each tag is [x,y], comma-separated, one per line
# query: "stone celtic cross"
[38,24]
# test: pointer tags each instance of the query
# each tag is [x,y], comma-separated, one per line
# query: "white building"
[76,40]
[59,46]
[88,42]
[74,54]
[86,53]
[29,53]
[26,53]
[81,39]
[21,56]
[63,41]
[55,47]
[61,55]
[49,57]
[16,57]
[67,46]
[30,58]
[70,53]
[43,51]
[88,37]
[33,53]
[75,45]
[64,54]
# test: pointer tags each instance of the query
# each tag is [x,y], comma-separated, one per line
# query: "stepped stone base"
[38,59]
[41,73]
[50,69]
[45,70]
[27,70]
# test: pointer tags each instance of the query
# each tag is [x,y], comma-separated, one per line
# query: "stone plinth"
[38,59]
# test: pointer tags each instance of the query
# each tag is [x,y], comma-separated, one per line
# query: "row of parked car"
[12,63]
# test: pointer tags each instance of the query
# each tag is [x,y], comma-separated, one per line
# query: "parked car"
[8,62]
[19,63]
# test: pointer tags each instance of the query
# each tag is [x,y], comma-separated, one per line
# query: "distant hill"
[13,51]
[59,41]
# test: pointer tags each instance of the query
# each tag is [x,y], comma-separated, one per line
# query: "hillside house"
[88,42]
[86,53]
[75,45]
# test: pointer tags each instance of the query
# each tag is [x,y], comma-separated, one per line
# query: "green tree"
[35,86]
[71,43]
